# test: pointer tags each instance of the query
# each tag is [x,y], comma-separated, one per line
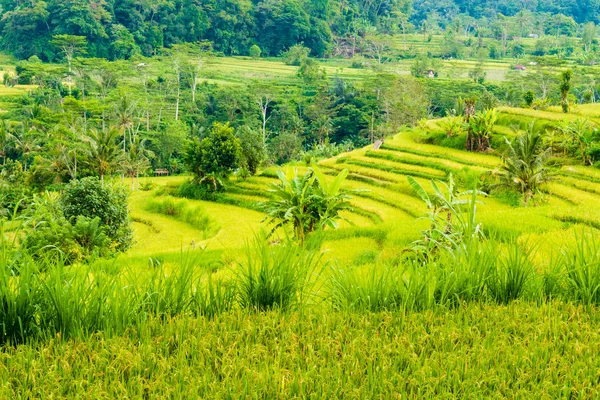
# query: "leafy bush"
[295,55]
[480,128]
[254,51]
[89,198]
[215,156]
[15,194]
[50,238]
[202,191]
[57,240]
[146,186]
[252,151]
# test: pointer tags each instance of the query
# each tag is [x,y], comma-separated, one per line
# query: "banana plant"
[307,202]
[451,214]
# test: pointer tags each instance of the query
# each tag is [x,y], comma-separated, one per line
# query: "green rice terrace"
[386,212]
[203,307]
[299,199]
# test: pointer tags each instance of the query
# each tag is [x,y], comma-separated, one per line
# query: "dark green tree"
[217,154]
[565,88]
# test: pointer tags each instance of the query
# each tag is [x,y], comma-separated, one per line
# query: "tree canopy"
[117,29]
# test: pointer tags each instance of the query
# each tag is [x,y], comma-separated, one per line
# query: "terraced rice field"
[385,207]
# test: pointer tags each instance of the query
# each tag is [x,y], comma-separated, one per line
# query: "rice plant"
[375,290]
[213,297]
[276,276]
[19,296]
[582,266]
[513,274]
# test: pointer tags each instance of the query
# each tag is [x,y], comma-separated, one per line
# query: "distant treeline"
[118,29]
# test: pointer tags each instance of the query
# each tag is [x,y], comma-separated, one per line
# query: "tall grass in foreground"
[582,269]
[479,271]
[277,275]
[76,302]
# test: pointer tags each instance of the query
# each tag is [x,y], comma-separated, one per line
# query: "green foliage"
[453,126]
[524,167]
[529,97]
[49,237]
[103,156]
[580,263]
[422,65]
[451,216]
[217,154]
[307,203]
[295,55]
[285,147]
[253,153]
[478,74]
[480,128]
[578,138]
[513,274]
[254,51]
[90,198]
[310,71]
[207,188]
[15,194]
[565,88]
[376,290]
[275,276]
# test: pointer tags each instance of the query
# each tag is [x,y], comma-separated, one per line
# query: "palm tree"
[103,154]
[124,113]
[25,143]
[582,134]
[306,202]
[524,166]
[137,160]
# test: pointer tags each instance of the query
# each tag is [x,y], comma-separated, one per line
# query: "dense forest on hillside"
[117,29]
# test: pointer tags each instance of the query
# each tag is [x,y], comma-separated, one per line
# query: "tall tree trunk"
[177,104]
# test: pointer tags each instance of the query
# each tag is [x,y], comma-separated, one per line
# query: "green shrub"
[146,186]
[15,193]
[442,139]
[89,198]
[254,51]
[50,238]
[295,55]
[194,191]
